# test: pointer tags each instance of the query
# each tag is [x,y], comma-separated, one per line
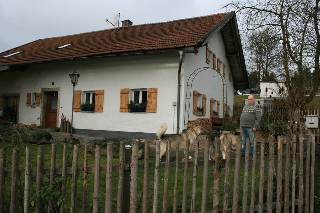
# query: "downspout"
[179,88]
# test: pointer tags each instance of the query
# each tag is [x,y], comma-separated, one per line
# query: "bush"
[38,135]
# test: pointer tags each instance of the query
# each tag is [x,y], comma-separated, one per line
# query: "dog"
[182,138]
[224,138]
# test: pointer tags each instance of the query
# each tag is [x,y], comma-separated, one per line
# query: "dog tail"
[162,130]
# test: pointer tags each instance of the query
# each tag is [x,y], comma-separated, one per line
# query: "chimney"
[126,23]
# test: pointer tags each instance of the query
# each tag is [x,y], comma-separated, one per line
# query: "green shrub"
[38,135]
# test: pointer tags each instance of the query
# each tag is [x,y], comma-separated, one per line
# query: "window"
[12,54]
[33,99]
[199,103]
[63,46]
[143,98]
[207,55]
[138,96]
[89,97]
[88,101]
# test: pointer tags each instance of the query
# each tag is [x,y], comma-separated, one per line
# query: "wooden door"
[11,106]
[51,109]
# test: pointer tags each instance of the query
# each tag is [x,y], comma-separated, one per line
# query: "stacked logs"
[64,124]
[205,123]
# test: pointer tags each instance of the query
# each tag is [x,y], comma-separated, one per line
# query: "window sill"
[135,110]
[84,111]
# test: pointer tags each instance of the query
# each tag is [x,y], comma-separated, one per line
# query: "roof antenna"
[116,20]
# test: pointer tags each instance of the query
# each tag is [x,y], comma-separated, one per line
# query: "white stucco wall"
[110,75]
[207,81]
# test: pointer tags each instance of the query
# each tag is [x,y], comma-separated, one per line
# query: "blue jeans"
[247,132]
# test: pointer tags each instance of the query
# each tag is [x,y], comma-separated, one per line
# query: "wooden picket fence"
[279,182]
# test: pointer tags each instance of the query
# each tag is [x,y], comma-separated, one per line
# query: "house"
[271,90]
[182,71]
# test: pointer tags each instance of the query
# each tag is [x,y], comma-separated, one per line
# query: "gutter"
[181,53]
[179,91]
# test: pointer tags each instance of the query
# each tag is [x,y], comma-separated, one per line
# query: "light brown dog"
[182,138]
[225,138]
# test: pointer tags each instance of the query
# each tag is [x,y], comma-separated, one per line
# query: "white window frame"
[199,100]
[140,90]
[33,99]
[92,97]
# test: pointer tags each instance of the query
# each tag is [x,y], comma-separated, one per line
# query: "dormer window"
[12,54]
[63,46]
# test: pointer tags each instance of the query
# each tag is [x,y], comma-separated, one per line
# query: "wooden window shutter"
[218,64]
[195,102]
[214,60]
[124,100]
[38,97]
[204,105]
[224,69]
[207,55]
[98,103]
[152,94]
[28,99]
[77,101]
[1,101]
[211,107]
[218,108]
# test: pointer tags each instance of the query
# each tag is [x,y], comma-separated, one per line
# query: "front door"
[51,109]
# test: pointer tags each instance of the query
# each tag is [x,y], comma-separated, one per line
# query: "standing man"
[249,123]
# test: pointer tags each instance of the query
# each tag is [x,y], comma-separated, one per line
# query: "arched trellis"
[188,93]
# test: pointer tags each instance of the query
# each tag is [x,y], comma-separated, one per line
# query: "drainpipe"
[179,88]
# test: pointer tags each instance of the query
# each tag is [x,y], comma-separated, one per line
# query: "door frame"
[44,102]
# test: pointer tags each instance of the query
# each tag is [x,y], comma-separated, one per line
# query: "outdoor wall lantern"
[74,77]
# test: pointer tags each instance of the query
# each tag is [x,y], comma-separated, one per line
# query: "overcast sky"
[24,21]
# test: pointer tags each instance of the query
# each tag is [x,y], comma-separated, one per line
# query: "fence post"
[95,202]
[2,178]
[74,178]
[134,178]
[126,181]
[156,179]
[108,199]
[52,172]
[40,166]
[120,181]
[14,183]
[146,177]
[27,180]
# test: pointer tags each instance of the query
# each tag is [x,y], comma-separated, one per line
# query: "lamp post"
[74,76]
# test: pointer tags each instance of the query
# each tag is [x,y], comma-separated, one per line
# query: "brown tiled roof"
[146,37]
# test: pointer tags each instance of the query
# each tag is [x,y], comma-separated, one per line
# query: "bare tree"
[264,54]
[296,25]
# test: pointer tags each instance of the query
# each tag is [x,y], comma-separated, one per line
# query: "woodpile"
[205,123]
